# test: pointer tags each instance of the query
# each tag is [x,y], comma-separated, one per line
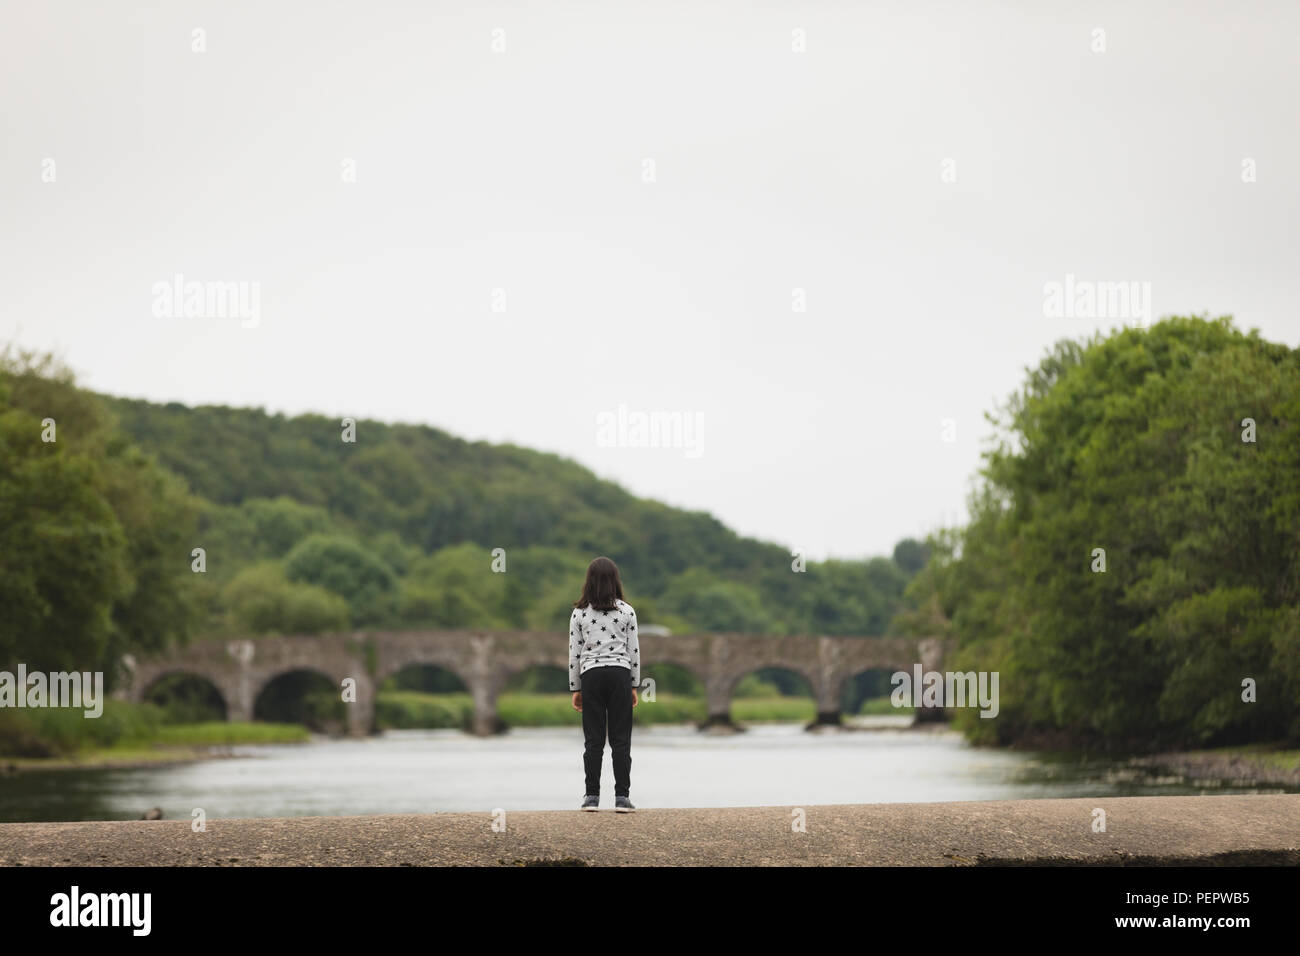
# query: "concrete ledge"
[1205,830]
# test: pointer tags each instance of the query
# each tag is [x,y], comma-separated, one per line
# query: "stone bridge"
[485,660]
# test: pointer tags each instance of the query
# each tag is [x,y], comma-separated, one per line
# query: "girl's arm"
[575,679]
[634,650]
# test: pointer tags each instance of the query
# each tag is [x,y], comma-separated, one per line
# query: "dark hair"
[603,586]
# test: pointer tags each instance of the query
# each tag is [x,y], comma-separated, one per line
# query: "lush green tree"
[262,600]
[95,538]
[341,565]
[158,519]
[63,556]
[711,603]
[848,597]
[280,523]
[910,555]
[455,587]
[1132,444]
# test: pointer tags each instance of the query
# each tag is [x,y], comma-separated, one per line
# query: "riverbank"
[1258,765]
[170,744]
[1140,831]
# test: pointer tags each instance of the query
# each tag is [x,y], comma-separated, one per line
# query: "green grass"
[1282,759]
[537,710]
[124,732]
[405,709]
[670,709]
[63,731]
[409,709]
[412,709]
[761,710]
[219,733]
[1266,755]
[881,706]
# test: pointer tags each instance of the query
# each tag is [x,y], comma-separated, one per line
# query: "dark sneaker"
[623,805]
[591,801]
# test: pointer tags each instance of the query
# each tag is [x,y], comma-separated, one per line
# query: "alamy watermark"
[58,689]
[948,689]
[638,429]
[181,299]
[1087,299]
[78,908]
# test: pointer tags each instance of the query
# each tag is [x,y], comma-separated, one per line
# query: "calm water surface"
[540,769]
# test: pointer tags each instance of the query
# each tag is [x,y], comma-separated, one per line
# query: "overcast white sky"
[522,170]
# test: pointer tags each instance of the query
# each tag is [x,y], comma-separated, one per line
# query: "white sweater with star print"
[603,638]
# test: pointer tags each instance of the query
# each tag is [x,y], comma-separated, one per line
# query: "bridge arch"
[262,704]
[555,676]
[438,658]
[159,677]
[734,678]
[698,677]
[845,683]
[502,673]
[806,677]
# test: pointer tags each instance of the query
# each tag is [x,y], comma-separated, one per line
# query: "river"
[540,769]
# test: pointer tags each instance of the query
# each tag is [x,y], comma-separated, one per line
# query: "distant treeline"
[303,532]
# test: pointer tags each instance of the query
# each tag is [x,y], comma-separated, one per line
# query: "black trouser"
[607,706]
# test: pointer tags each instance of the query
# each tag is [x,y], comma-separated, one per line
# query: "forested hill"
[304,531]
[430,488]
